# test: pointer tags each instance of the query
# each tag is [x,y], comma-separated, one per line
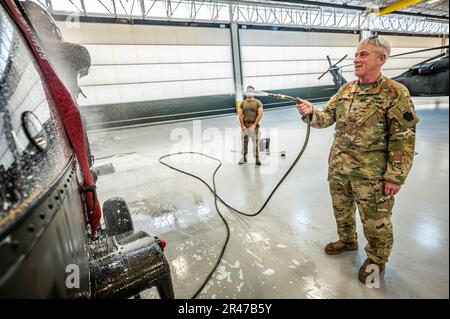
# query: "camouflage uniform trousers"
[375,209]
[254,136]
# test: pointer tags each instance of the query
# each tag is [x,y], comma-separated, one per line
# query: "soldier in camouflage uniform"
[371,155]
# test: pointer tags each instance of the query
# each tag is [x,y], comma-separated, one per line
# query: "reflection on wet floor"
[278,254]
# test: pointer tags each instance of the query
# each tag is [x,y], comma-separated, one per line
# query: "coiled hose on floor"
[218,198]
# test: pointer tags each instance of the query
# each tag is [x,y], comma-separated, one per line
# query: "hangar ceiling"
[428,7]
[428,17]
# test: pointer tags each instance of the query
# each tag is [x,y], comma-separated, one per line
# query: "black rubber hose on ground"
[218,198]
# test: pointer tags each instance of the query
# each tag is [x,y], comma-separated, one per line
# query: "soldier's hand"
[304,107]
[391,188]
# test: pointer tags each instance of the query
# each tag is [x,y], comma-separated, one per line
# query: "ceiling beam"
[398,5]
[351,7]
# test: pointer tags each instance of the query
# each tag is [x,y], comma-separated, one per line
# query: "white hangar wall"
[274,60]
[144,62]
[148,73]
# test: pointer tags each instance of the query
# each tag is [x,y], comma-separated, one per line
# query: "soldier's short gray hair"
[381,44]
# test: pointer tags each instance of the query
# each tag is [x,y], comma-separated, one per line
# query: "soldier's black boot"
[365,271]
[340,246]
[257,161]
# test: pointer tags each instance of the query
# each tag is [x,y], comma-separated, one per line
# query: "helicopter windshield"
[33,145]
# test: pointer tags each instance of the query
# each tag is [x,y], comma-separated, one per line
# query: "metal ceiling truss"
[265,13]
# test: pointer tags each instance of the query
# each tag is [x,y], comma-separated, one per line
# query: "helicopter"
[54,242]
[426,78]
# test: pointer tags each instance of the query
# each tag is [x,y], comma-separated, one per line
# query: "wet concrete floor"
[279,253]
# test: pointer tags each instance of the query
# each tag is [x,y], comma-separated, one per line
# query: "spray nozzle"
[278,96]
[274,95]
[281,96]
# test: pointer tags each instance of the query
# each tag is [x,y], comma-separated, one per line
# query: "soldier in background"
[250,113]
[372,152]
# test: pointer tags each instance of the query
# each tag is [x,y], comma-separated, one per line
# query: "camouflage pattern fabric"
[375,210]
[374,142]
[254,136]
[375,130]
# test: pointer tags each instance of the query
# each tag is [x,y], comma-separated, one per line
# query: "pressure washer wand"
[217,197]
[282,96]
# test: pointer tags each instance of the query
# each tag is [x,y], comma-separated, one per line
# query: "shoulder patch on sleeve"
[408,116]
[405,115]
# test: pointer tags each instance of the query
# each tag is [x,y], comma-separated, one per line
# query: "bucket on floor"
[264,144]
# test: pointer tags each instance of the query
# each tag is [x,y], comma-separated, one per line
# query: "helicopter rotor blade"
[418,51]
[322,74]
[428,60]
[329,61]
[341,60]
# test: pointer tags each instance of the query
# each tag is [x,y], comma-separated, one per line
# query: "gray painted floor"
[278,254]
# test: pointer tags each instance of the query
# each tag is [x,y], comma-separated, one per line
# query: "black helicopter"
[52,241]
[426,78]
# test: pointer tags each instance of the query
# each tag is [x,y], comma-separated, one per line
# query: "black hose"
[217,197]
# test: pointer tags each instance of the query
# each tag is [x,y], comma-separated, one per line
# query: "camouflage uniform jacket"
[374,133]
